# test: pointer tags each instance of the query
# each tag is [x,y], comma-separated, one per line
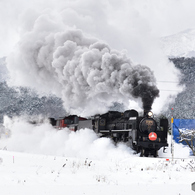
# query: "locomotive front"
[151,135]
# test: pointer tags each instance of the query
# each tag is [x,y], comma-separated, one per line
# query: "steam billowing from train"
[84,72]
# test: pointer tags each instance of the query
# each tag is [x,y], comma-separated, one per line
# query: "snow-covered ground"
[23,173]
[41,160]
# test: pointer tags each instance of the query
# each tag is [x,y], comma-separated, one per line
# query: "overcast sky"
[131,25]
[124,24]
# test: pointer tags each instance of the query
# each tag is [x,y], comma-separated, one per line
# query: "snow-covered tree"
[184,103]
[188,136]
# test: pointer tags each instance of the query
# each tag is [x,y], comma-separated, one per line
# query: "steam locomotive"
[144,134]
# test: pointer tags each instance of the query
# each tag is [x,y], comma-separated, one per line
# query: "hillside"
[184,104]
[181,44]
[23,101]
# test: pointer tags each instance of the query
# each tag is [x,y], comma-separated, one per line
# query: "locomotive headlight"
[150,114]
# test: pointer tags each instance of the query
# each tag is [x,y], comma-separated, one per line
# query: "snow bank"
[23,173]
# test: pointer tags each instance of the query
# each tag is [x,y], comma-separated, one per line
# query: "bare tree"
[189,137]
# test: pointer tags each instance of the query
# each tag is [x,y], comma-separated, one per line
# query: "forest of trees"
[23,101]
[184,104]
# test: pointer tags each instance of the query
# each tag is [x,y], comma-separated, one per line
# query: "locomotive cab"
[152,134]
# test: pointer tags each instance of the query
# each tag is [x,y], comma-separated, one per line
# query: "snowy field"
[41,160]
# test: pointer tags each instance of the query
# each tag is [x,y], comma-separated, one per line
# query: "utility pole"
[172,142]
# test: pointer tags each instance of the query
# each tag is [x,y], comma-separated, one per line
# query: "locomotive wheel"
[142,152]
[156,153]
[146,153]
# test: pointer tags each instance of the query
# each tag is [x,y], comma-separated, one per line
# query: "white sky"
[121,24]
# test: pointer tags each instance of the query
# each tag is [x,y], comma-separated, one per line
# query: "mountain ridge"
[181,44]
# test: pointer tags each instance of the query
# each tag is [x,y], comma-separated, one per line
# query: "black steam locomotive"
[143,133]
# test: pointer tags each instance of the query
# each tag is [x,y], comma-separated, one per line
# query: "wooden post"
[193,186]
[172,142]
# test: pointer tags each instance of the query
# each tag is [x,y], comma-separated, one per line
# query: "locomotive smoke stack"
[147,104]
[149,99]
[147,92]
[146,110]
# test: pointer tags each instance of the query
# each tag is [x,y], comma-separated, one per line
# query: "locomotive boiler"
[144,134]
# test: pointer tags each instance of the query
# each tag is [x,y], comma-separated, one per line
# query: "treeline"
[23,101]
[184,105]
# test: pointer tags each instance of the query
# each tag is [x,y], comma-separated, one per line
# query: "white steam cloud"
[84,72]
[44,139]
[131,25]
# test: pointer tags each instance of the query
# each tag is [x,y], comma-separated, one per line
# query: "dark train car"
[143,133]
[71,122]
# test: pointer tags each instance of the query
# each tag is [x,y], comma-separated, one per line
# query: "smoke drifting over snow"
[44,139]
[83,71]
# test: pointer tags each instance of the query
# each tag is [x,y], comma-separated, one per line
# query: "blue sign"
[183,124]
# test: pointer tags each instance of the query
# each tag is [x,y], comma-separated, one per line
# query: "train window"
[68,121]
[102,122]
